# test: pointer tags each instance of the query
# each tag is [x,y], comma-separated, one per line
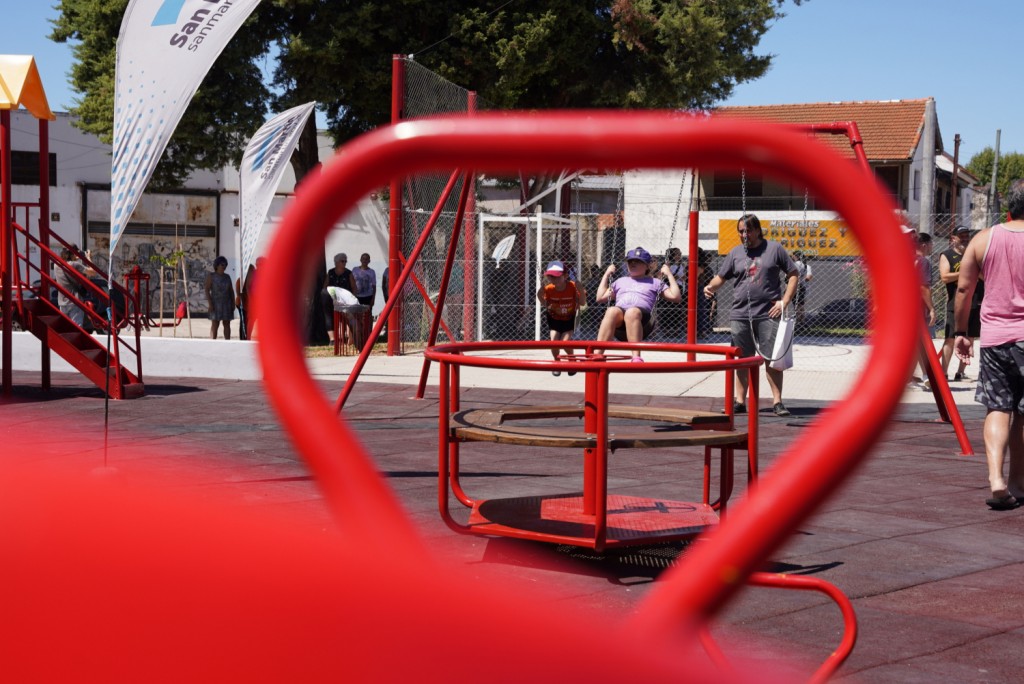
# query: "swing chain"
[675,218]
[743,192]
[620,220]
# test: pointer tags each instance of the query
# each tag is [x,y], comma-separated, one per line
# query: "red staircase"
[86,353]
[80,349]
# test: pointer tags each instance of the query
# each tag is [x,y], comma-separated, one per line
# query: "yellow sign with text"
[813,238]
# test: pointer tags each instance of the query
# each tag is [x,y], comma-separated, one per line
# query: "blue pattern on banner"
[264,147]
[168,13]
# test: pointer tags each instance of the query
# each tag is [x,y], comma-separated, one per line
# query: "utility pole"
[926,208]
[956,181]
[992,195]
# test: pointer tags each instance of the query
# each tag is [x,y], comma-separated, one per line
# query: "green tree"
[530,54]
[1011,167]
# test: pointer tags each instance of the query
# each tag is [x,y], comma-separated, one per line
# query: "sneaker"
[556,373]
[637,359]
[781,410]
[959,377]
[926,386]
[738,408]
[571,373]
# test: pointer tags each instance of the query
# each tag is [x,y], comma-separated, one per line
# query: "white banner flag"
[265,159]
[164,51]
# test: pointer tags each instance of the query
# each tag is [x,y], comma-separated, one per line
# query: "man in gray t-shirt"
[756,268]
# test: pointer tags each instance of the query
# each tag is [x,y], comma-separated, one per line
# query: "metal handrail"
[47,281]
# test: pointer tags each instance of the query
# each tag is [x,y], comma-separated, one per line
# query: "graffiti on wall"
[171,237]
[184,265]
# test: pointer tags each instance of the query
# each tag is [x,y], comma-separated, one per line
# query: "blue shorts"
[1001,378]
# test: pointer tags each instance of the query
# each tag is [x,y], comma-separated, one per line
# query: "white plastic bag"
[782,354]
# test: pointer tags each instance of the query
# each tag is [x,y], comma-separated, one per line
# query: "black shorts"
[645,323]
[562,326]
[1001,378]
[973,324]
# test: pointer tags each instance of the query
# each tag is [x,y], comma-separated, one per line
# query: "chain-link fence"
[499,266]
[832,304]
[499,261]
[426,94]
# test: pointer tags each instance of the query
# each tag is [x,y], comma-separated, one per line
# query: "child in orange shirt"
[562,298]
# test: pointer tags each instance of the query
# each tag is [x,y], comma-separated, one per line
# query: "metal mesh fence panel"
[428,94]
[833,306]
[514,252]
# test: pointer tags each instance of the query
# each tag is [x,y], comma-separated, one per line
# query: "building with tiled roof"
[891,129]
[894,141]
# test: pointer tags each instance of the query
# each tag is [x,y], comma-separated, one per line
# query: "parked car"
[849,312]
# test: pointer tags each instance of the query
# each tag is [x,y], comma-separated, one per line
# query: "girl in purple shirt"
[634,295]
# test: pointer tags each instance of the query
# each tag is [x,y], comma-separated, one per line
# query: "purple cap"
[640,254]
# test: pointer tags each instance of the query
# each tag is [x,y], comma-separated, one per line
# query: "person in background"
[347,305]
[923,263]
[672,318]
[756,266]
[339,276]
[365,280]
[71,284]
[562,300]
[804,275]
[996,254]
[385,287]
[707,309]
[220,298]
[949,273]
[244,300]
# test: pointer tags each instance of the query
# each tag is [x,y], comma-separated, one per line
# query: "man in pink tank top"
[996,255]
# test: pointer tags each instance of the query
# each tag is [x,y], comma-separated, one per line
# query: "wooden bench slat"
[670,415]
[482,425]
[683,438]
[528,436]
[492,417]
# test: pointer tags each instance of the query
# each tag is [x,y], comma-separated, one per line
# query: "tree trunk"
[306,163]
[306,157]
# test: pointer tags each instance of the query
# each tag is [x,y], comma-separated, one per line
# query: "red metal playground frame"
[801,479]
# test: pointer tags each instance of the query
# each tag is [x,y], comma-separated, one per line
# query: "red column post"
[469,252]
[44,233]
[396,219]
[6,248]
[691,284]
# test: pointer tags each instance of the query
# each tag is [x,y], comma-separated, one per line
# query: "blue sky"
[960,53]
